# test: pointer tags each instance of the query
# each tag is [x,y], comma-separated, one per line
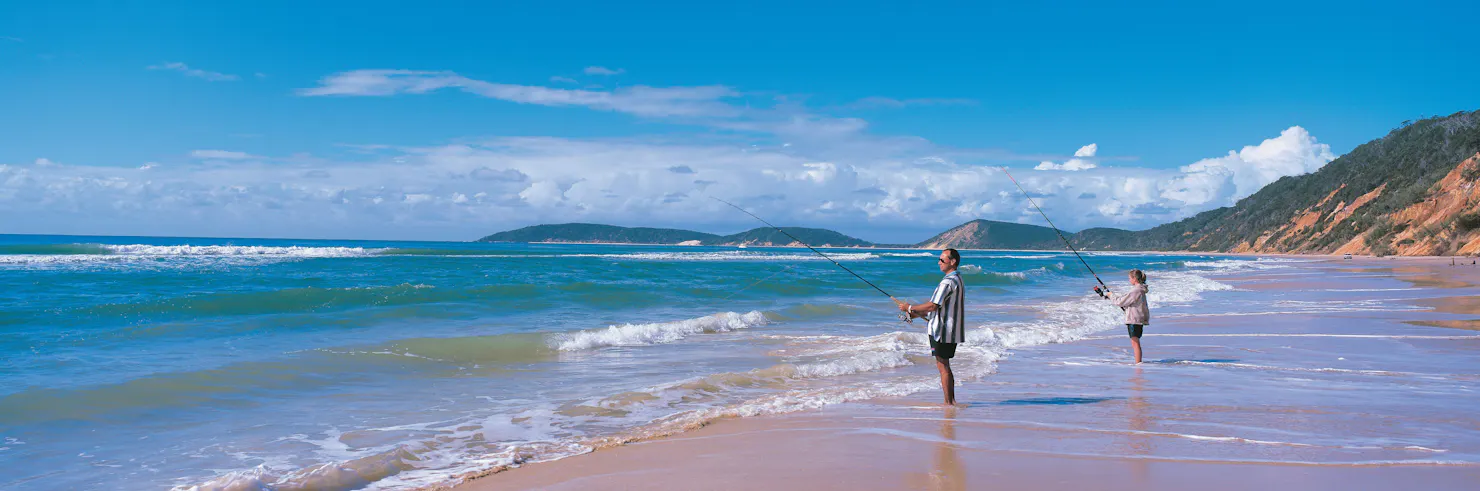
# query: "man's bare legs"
[948,379]
[1136,347]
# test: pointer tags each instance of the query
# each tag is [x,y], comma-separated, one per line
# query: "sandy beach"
[1297,399]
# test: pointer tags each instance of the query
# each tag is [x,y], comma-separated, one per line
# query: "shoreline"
[878,443]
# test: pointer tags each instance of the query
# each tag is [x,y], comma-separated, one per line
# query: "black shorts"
[1134,330]
[942,350]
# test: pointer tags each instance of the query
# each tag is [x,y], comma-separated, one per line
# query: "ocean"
[158,363]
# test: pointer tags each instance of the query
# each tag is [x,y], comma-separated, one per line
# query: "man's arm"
[919,309]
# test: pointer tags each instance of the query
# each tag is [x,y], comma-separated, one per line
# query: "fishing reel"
[903,315]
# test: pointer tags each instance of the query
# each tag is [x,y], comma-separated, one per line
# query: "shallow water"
[147,363]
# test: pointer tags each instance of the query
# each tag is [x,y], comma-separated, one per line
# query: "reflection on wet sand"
[947,473]
[1464,305]
[1139,443]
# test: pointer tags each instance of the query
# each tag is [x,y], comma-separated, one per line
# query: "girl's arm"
[1127,299]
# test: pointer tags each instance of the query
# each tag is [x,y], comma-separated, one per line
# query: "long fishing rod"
[799,241]
[1055,229]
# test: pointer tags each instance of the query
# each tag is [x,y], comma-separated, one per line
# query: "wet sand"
[934,451]
[1305,399]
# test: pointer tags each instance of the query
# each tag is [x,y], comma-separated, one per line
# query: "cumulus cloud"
[1083,160]
[194,72]
[465,190]
[1232,177]
[601,70]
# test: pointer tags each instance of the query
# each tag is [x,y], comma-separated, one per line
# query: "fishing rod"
[799,241]
[1056,229]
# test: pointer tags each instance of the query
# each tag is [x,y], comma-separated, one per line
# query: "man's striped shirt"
[948,321]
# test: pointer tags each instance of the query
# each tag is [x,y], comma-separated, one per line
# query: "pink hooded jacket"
[1134,303]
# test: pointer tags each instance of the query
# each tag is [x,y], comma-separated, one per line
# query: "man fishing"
[946,311]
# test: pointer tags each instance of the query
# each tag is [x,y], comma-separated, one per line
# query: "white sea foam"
[1023,256]
[733,256]
[1074,320]
[909,254]
[1251,366]
[656,333]
[706,256]
[1022,275]
[1301,335]
[859,363]
[1296,307]
[230,250]
[972,269]
[154,256]
[43,260]
[1233,265]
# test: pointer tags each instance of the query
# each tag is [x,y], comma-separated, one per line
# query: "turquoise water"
[150,363]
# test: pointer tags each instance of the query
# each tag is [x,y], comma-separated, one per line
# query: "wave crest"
[656,333]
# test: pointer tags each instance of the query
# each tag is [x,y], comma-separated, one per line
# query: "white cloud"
[637,100]
[193,72]
[563,80]
[469,189]
[888,102]
[1083,160]
[601,70]
[714,106]
[220,155]
[13,39]
[1227,179]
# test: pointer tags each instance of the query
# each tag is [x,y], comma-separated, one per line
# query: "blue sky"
[883,120]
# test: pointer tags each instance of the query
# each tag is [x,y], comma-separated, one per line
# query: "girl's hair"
[1139,276]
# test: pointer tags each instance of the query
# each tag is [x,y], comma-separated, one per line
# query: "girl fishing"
[1137,313]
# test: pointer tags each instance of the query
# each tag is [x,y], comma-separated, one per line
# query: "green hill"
[590,232]
[766,236]
[988,234]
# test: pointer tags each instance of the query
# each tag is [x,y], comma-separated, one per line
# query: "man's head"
[948,260]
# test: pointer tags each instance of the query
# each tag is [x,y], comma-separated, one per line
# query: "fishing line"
[768,278]
[803,243]
[1055,229]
